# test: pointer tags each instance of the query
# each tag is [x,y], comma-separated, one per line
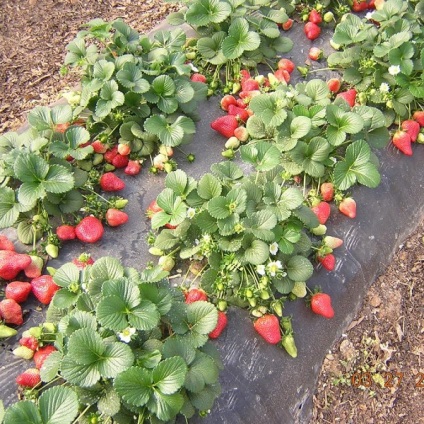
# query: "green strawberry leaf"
[210,47]
[23,412]
[169,375]
[66,275]
[227,171]
[263,155]
[299,268]
[270,108]
[201,317]
[175,347]
[58,405]
[239,39]
[134,385]
[131,78]
[205,12]
[9,208]
[180,183]
[165,406]
[291,198]
[357,166]
[256,251]
[209,187]
[103,70]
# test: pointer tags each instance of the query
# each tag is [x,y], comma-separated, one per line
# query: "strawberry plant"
[248,232]
[382,56]
[234,34]
[137,89]
[126,348]
[315,137]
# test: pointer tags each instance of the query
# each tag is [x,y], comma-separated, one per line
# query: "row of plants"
[250,237]
[117,344]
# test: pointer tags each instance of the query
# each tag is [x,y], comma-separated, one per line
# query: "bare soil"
[375,372]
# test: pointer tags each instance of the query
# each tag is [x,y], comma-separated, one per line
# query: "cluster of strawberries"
[90,229]
[321,207]
[116,156]
[17,291]
[409,132]
[31,346]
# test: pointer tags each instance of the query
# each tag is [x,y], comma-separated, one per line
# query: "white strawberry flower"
[260,269]
[126,334]
[191,212]
[273,267]
[384,87]
[394,70]
[273,248]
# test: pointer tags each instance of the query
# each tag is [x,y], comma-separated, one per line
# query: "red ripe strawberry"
[225,125]
[83,260]
[315,17]
[120,161]
[65,232]
[12,263]
[123,149]
[282,75]
[153,208]
[6,244]
[89,230]
[44,288]
[110,182]
[287,25]
[359,5]
[29,378]
[18,291]
[321,305]
[198,78]
[327,191]
[194,295]
[419,117]
[11,312]
[328,261]
[286,64]
[220,326]
[42,354]
[371,5]
[250,85]
[402,140]
[29,341]
[412,128]
[241,133]
[35,268]
[348,207]
[349,96]
[133,167]
[99,147]
[248,95]
[268,328]
[332,242]
[334,85]
[115,217]
[110,154]
[311,30]
[244,75]
[238,112]
[315,53]
[322,211]
[241,103]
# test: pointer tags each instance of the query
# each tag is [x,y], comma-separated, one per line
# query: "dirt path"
[384,342]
